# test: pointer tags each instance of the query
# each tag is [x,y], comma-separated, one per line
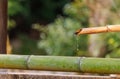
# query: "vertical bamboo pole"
[3,25]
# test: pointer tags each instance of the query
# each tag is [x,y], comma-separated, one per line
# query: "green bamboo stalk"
[61,63]
[100,65]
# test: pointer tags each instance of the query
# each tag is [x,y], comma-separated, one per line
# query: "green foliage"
[113,39]
[11,23]
[113,44]
[114,54]
[38,10]
[18,7]
[27,46]
[42,9]
[60,38]
[46,10]
[77,10]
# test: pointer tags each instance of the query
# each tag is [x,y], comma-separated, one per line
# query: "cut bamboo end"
[94,30]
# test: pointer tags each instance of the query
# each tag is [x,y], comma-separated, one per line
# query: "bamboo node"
[80,63]
[108,28]
[27,61]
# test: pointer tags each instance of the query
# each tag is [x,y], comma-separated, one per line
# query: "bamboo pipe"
[61,63]
[94,30]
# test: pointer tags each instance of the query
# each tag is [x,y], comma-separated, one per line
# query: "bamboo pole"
[61,63]
[94,30]
[3,25]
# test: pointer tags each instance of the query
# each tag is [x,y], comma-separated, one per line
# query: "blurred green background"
[46,27]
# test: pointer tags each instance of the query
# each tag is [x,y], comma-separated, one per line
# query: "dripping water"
[76,34]
[76,44]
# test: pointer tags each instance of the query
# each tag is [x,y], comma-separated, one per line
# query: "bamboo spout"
[94,30]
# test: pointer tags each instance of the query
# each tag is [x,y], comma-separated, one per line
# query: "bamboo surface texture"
[94,30]
[61,63]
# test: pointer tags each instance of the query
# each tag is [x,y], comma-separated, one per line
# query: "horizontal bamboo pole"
[94,30]
[61,63]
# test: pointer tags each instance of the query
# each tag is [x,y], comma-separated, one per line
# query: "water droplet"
[77,43]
